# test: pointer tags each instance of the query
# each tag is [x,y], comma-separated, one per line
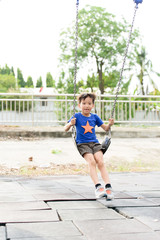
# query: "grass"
[56,151]
[82,169]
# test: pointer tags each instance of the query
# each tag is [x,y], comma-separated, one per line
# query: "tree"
[145,69]
[7,82]
[80,84]
[60,84]
[20,78]
[92,81]
[49,80]
[101,39]
[39,82]
[29,83]
[7,70]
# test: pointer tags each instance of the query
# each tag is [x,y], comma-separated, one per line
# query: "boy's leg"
[99,191]
[98,156]
[92,167]
[105,176]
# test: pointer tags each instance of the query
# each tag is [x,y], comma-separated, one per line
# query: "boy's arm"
[106,127]
[70,124]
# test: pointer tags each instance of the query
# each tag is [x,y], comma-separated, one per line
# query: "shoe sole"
[103,196]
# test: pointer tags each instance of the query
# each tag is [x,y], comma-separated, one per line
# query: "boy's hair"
[83,96]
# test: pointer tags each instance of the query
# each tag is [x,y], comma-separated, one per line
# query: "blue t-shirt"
[85,127]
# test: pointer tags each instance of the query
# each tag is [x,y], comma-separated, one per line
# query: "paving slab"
[85,214]
[156,200]
[10,186]
[145,194]
[76,205]
[46,229]
[154,212]
[128,203]
[153,223]
[147,215]
[86,192]
[28,216]
[58,196]
[72,200]
[16,197]
[150,194]
[133,236]
[46,190]
[2,233]
[40,183]
[56,238]
[101,229]
[28,205]
[142,181]
[123,195]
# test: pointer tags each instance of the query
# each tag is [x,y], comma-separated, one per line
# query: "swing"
[107,141]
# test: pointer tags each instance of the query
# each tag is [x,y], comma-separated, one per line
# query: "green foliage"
[92,81]
[49,80]
[146,68]
[7,82]
[70,85]
[29,83]
[60,85]
[21,82]
[7,71]
[39,82]
[80,84]
[102,39]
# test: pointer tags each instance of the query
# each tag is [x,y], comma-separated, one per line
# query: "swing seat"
[106,143]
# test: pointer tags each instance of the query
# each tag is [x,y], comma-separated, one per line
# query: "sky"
[30,31]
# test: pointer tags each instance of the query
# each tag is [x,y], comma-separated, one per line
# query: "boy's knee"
[91,162]
[100,163]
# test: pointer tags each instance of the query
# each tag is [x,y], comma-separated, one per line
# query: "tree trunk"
[100,76]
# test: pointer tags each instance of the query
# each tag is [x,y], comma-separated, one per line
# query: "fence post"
[32,110]
[66,108]
[130,112]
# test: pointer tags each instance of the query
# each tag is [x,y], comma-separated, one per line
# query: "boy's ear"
[79,105]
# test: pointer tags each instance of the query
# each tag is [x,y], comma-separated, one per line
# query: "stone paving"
[65,208]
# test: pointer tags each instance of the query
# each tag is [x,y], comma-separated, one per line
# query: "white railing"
[56,109]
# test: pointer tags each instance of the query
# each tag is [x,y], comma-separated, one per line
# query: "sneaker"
[109,193]
[100,192]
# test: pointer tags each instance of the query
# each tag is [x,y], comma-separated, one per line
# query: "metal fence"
[56,109]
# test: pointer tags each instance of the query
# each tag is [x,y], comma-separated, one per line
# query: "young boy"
[88,144]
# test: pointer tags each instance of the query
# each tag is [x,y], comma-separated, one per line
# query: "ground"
[52,156]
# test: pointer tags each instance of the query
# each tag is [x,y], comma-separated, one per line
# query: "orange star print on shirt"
[87,128]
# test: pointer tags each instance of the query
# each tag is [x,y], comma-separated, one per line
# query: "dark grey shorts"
[90,147]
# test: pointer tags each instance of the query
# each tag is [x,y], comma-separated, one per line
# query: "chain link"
[125,56]
[75,67]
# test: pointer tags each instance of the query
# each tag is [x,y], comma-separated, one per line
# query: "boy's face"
[86,106]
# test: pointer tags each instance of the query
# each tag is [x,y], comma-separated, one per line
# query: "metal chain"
[75,61]
[75,67]
[120,79]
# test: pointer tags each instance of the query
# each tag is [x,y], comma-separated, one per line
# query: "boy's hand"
[73,121]
[111,121]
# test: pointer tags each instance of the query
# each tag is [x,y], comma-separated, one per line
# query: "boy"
[88,144]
